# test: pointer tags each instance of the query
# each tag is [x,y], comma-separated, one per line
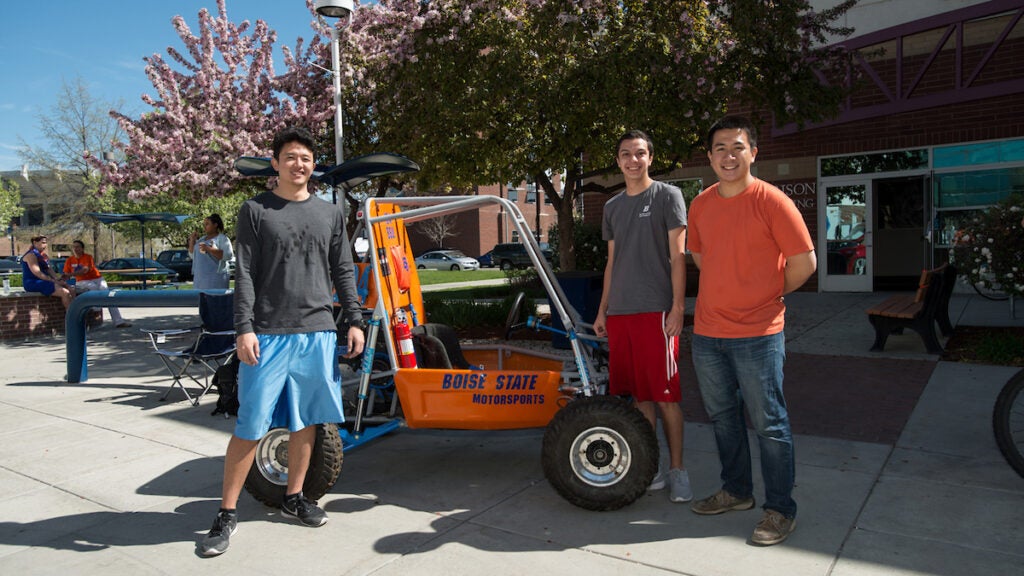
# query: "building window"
[513,195]
[33,216]
[979,153]
[896,161]
[977,188]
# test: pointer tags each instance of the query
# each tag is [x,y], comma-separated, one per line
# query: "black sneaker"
[296,506]
[216,542]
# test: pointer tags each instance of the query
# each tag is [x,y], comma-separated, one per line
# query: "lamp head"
[333,8]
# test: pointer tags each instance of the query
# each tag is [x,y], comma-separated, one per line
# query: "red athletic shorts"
[642,359]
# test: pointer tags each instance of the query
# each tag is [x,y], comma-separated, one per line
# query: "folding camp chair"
[214,346]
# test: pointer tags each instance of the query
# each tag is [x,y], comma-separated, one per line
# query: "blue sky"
[104,42]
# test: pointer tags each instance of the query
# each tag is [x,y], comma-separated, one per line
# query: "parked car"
[513,255]
[153,268]
[446,260]
[9,266]
[847,256]
[178,260]
[486,260]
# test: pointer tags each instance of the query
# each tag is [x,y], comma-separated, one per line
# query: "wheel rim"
[600,456]
[272,456]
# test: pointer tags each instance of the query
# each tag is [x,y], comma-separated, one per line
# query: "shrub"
[989,249]
[591,250]
[467,313]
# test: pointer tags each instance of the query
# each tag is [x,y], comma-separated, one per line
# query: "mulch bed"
[975,344]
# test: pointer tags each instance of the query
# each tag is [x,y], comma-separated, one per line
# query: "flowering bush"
[989,249]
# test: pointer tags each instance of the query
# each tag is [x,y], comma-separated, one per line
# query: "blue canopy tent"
[109,218]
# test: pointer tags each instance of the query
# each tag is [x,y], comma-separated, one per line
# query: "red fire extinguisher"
[406,353]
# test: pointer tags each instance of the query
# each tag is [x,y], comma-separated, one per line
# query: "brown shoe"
[773,528]
[720,502]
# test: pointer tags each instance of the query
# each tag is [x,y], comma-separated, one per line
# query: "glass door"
[847,236]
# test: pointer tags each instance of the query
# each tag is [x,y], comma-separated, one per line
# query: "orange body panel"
[510,359]
[478,399]
[392,242]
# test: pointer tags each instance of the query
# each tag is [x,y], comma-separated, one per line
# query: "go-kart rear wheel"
[268,477]
[600,453]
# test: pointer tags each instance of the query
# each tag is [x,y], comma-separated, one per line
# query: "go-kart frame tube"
[415,209]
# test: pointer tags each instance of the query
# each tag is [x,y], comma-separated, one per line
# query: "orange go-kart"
[599,452]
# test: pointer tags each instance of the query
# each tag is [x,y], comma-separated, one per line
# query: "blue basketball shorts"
[295,384]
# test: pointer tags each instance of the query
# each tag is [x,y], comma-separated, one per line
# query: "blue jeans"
[737,371]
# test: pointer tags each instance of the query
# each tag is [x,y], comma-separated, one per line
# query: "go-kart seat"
[430,352]
[440,345]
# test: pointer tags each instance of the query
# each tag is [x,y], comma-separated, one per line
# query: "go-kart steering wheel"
[512,322]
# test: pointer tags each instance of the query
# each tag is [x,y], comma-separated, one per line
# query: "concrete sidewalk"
[103,478]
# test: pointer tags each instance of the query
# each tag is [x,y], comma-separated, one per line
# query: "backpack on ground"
[225,379]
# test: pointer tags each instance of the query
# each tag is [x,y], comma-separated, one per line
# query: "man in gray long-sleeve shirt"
[291,249]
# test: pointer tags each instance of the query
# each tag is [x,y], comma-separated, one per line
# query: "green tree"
[10,203]
[74,127]
[496,91]
[481,91]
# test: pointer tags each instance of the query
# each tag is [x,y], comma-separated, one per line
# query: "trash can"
[583,290]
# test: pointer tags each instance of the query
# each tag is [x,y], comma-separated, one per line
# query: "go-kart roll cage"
[416,209]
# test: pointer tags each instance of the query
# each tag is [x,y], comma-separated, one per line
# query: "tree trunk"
[566,239]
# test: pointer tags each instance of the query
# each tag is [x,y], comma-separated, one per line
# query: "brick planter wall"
[27,315]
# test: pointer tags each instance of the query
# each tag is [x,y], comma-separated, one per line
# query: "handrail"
[75,317]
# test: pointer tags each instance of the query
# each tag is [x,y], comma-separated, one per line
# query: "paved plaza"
[897,473]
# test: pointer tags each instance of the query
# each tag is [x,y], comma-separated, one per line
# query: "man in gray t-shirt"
[643,301]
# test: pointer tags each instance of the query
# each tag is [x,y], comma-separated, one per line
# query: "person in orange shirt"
[752,247]
[82,268]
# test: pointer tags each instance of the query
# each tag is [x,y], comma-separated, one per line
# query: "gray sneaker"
[721,502]
[773,528]
[216,540]
[679,486]
[658,482]
[308,513]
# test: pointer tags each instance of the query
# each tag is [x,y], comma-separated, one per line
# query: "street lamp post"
[336,9]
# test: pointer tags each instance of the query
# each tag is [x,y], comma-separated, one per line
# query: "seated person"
[36,275]
[82,268]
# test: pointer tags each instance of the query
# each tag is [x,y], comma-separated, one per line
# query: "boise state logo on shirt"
[646,212]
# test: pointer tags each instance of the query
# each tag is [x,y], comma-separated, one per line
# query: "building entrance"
[900,243]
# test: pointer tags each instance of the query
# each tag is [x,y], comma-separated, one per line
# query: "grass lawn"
[428,277]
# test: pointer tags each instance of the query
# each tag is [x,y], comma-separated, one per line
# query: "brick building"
[475,232]
[934,133]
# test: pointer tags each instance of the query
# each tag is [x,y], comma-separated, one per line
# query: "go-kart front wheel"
[600,453]
[268,477]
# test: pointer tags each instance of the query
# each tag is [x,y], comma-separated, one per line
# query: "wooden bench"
[919,311]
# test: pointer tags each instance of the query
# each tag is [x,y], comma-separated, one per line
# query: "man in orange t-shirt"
[752,247]
[82,268]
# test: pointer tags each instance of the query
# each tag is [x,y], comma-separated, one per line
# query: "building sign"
[804,194]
